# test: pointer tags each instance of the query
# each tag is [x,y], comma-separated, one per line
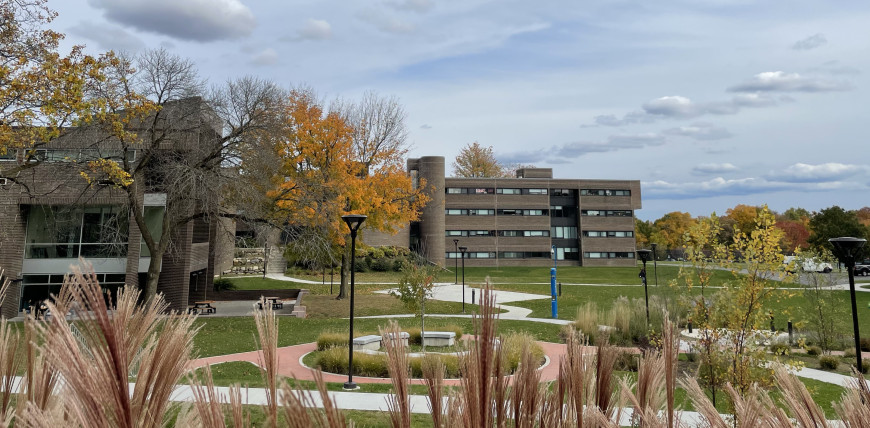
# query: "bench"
[370,342]
[439,338]
[403,337]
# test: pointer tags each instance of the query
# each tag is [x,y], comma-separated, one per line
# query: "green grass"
[219,336]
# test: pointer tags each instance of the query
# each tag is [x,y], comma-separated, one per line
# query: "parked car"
[809,265]
[862,267]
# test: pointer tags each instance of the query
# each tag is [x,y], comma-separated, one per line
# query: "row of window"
[514,212]
[606,213]
[504,233]
[604,192]
[561,254]
[562,232]
[557,211]
[492,190]
[611,255]
[608,234]
[76,155]
[537,191]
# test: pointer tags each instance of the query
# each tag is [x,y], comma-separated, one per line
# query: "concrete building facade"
[525,221]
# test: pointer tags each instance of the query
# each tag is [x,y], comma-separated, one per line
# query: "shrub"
[587,319]
[414,336]
[361,265]
[865,344]
[849,353]
[691,357]
[779,348]
[627,362]
[814,350]
[330,339]
[454,328]
[829,362]
[401,264]
[865,365]
[512,348]
[334,360]
[382,264]
[222,284]
[389,251]
[451,365]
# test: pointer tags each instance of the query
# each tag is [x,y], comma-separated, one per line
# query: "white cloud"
[680,107]
[563,153]
[198,20]
[826,172]
[779,81]
[316,29]
[673,106]
[425,126]
[700,131]
[108,37]
[713,168]
[811,42]
[718,186]
[267,56]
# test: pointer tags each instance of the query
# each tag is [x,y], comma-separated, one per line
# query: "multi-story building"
[50,217]
[525,221]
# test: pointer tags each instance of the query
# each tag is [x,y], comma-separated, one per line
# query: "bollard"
[472,296]
[560,289]
[790,339]
[690,326]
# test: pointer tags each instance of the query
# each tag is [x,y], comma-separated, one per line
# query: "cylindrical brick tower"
[431,169]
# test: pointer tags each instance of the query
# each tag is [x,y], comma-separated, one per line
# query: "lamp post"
[462,251]
[846,249]
[353,223]
[455,262]
[644,256]
[554,308]
[655,265]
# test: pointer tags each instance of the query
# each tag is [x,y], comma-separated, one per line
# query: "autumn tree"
[670,230]
[741,307]
[42,92]
[743,217]
[475,160]
[795,234]
[320,176]
[864,216]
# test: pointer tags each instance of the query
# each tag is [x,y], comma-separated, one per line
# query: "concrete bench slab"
[439,338]
[372,342]
[403,336]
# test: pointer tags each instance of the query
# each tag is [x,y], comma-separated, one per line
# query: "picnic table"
[276,302]
[202,307]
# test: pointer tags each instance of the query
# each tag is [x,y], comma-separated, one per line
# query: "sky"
[709,103]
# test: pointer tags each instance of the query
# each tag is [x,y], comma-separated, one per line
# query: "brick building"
[50,217]
[523,221]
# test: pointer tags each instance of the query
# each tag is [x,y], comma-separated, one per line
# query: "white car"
[809,265]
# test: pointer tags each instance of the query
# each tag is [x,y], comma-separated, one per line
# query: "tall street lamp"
[462,251]
[655,265]
[353,223]
[847,249]
[643,255]
[455,262]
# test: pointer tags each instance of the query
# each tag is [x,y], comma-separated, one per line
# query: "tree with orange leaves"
[322,176]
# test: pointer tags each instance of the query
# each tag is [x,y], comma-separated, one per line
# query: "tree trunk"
[153,278]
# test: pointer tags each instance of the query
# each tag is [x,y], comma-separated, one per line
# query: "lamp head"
[653,245]
[463,249]
[643,255]
[455,241]
[354,221]
[847,248]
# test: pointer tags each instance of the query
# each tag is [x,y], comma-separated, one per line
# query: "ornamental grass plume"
[108,347]
[398,403]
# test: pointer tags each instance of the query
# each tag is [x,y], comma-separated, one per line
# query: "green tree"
[826,311]
[415,288]
[834,222]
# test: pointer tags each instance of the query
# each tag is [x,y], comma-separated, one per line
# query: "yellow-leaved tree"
[323,175]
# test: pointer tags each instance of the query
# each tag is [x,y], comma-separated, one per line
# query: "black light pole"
[644,256]
[455,262]
[353,223]
[655,265]
[846,249]
[462,251]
